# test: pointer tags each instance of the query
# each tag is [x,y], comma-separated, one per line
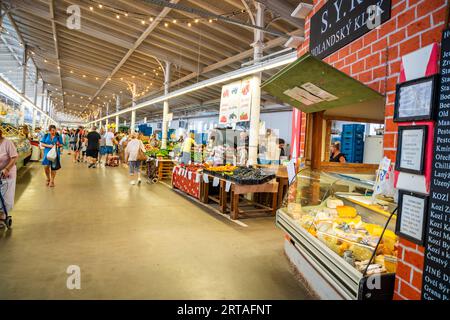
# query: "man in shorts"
[109,144]
[93,146]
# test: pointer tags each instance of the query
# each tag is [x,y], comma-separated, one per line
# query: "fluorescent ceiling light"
[237,74]
[294,42]
[302,11]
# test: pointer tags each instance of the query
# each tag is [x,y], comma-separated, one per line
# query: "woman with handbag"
[134,155]
[51,143]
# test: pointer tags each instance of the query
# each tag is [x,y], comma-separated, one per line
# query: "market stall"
[340,234]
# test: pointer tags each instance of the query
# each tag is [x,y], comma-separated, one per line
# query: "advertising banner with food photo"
[236,102]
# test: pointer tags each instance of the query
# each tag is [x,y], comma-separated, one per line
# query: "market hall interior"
[143,242]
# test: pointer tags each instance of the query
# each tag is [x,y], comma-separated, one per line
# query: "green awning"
[313,85]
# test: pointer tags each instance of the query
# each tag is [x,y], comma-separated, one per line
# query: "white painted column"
[22,113]
[133,119]
[33,124]
[256,89]
[133,112]
[101,121]
[165,124]
[41,118]
[117,110]
[107,114]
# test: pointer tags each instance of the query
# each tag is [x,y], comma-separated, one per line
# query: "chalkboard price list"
[436,275]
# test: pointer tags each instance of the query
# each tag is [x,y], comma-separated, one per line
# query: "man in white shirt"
[109,144]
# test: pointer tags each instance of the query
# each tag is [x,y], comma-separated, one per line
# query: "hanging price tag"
[205,178]
[197,178]
[228,186]
[174,169]
[216,182]
[190,175]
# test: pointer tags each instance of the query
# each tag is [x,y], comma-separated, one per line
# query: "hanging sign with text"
[436,273]
[340,22]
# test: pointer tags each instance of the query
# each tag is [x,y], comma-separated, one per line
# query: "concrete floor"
[142,242]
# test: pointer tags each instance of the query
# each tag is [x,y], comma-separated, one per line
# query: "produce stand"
[186,180]
[232,202]
[242,207]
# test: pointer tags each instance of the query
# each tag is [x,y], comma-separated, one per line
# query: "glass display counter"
[343,233]
[22,143]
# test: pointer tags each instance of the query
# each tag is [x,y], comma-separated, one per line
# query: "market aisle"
[134,243]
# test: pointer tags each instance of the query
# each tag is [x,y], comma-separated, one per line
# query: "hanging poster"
[236,101]
[246,100]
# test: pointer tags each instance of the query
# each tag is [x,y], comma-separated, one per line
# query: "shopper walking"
[71,141]
[50,140]
[77,145]
[135,148]
[8,159]
[93,147]
[110,141]
[102,152]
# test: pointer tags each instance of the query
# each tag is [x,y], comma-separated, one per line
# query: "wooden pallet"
[165,169]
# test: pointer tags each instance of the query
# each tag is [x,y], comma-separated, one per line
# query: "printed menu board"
[436,274]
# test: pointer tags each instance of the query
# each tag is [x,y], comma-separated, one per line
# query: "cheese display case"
[23,144]
[340,237]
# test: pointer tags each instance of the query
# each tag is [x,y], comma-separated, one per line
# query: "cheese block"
[346,212]
[354,221]
[334,203]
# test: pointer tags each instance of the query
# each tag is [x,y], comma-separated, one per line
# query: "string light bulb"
[189,24]
[166,25]
[100,6]
[91,8]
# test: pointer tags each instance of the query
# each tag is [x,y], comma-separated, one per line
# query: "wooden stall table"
[205,196]
[237,190]
[165,169]
[282,179]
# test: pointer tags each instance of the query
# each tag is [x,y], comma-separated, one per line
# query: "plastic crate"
[353,128]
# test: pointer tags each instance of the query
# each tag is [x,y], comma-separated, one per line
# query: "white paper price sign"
[197,178]
[291,171]
[205,178]
[216,182]
[228,186]
[190,175]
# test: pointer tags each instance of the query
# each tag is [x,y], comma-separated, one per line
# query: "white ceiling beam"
[56,45]
[135,46]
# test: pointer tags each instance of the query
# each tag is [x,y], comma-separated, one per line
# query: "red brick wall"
[375,59]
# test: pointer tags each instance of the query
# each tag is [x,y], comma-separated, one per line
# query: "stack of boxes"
[352,142]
